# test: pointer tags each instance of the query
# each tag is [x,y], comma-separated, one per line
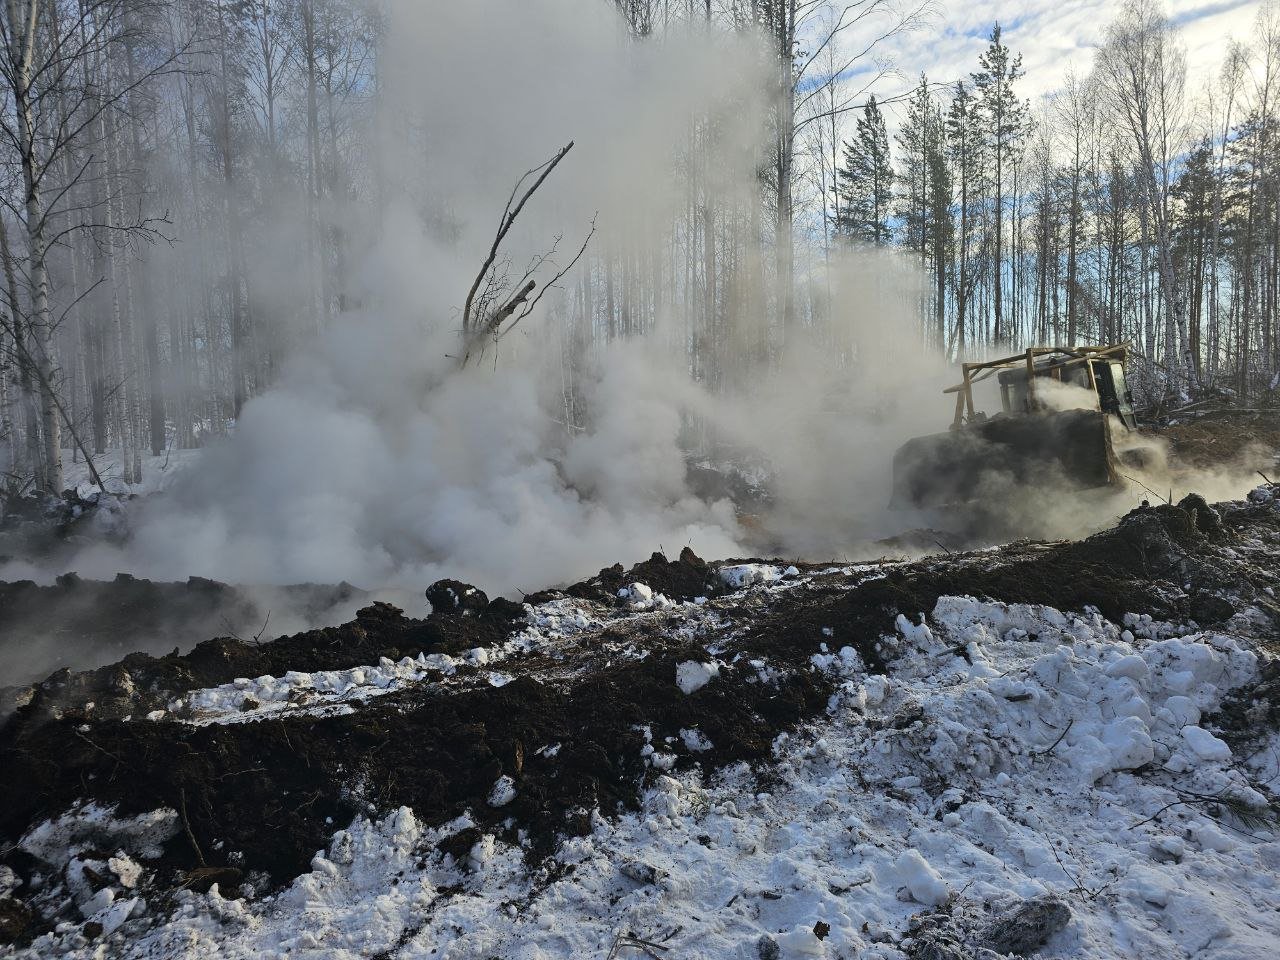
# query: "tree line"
[1119,208]
[127,125]
[247,131]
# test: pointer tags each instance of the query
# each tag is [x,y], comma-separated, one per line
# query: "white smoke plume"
[374,459]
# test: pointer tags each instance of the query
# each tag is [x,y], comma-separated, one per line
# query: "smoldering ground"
[375,459]
[378,461]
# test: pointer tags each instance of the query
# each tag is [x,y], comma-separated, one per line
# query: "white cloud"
[1053,37]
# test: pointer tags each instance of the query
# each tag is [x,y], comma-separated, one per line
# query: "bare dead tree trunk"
[490,302]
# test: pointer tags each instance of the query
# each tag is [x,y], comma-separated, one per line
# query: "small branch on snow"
[1061,737]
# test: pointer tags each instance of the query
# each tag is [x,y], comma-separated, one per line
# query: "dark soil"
[1137,566]
[685,578]
[267,788]
[1253,708]
[1212,442]
[140,682]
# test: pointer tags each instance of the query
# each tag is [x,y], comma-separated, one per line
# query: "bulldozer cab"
[1089,378]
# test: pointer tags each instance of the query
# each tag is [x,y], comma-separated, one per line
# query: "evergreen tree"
[925,204]
[865,181]
[965,152]
[941,229]
[913,142]
[1193,225]
[1004,128]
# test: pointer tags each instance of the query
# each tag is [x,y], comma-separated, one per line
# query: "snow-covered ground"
[158,472]
[1020,780]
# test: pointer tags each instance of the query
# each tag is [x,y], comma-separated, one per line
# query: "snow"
[1205,745]
[247,699]
[94,826]
[639,592]
[874,690]
[695,741]
[642,597]
[800,941]
[1131,666]
[922,882]
[250,699]
[741,575]
[503,792]
[126,871]
[1061,763]
[158,472]
[692,676]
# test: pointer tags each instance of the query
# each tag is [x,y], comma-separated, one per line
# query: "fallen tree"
[495,303]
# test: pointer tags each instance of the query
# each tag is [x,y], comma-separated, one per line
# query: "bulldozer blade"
[1071,448]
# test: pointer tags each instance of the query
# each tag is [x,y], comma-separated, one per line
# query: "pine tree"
[965,151]
[1005,127]
[941,229]
[1193,225]
[925,204]
[913,142]
[865,181]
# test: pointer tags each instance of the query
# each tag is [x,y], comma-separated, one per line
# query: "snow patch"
[744,575]
[692,675]
[503,792]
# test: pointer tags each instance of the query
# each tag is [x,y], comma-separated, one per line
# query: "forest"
[186,183]
[356,354]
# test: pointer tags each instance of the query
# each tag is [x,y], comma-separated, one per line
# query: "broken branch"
[509,214]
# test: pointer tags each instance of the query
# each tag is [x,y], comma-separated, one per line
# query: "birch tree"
[1143,68]
[52,112]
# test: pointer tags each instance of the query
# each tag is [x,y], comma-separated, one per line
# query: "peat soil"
[575,727]
[75,623]
[50,528]
[1251,439]
[78,623]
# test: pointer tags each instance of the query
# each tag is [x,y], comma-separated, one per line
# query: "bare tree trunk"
[125,381]
[235,245]
[146,315]
[26,387]
[313,156]
[41,320]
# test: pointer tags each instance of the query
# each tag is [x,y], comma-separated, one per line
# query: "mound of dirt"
[567,730]
[271,791]
[685,578]
[454,596]
[1117,571]
[1209,442]
[140,683]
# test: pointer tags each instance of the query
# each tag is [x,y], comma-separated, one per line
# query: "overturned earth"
[535,718]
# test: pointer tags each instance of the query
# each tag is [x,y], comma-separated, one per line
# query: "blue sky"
[1055,36]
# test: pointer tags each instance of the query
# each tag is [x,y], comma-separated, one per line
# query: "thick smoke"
[374,459]
[377,461]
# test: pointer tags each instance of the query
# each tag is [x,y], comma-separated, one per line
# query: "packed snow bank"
[1020,774]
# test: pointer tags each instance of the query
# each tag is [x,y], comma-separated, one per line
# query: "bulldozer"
[1059,406]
